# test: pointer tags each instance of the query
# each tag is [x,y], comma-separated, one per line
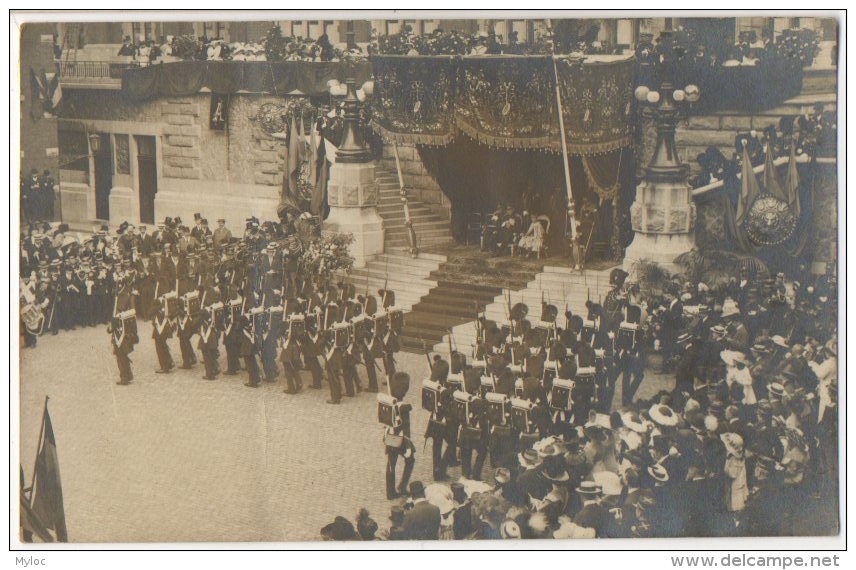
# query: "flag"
[793,184]
[301,142]
[46,94]
[771,179]
[55,92]
[289,197]
[30,523]
[748,189]
[319,192]
[313,156]
[46,498]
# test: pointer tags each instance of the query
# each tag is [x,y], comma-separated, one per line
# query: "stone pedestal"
[74,200]
[352,194]
[663,217]
[124,205]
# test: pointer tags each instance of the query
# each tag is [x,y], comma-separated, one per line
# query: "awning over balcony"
[502,101]
[505,101]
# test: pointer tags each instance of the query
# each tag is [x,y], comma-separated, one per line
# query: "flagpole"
[571,231]
[39,447]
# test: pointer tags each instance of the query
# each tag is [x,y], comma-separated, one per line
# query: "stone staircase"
[431,229]
[560,286]
[466,284]
[401,273]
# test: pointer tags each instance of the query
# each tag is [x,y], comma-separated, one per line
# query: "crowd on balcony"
[814,134]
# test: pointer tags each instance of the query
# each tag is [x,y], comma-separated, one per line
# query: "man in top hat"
[46,191]
[198,233]
[222,236]
[422,522]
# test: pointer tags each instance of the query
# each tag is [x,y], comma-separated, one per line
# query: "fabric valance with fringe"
[504,101]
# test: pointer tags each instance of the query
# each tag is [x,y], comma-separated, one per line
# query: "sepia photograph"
[520,275]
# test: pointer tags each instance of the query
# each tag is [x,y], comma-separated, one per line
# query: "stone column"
[352,192]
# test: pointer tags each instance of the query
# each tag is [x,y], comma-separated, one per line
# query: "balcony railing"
[93,74]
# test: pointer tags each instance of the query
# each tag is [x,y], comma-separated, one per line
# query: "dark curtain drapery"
[413,99]
[508,102]
[597,104]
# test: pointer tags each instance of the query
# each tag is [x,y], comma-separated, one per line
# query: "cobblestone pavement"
[178,458]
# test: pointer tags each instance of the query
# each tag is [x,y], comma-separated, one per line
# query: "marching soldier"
[209,335]
[333,360]
[123,335]
[291,352]
[162,329]
[399,384]
[475,433]
[249,350]
[186,326]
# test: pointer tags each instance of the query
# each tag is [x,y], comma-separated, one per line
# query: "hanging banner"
[413,98]
[597,104]
[508,102]
[218,114]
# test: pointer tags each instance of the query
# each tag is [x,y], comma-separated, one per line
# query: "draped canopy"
[502,101]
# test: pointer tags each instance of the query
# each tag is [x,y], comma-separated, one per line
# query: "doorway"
[147,175]
[103,178]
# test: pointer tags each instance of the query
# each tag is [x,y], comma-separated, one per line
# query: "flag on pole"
[289,196]
[313,156]
[771,179]
[46,498]
[30,523]
[793,183]
[748,189]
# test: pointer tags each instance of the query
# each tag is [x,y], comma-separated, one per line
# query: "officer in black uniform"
[398,385]
[123,337]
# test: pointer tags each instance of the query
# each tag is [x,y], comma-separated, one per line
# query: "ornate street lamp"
[663,214]
[353,149]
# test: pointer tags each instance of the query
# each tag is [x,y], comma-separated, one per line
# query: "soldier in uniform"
[333,360]
[291,354]
[209,336]
[475,434]
[162,329]
[249,350]
[399,384]
[123,340]
[186,326]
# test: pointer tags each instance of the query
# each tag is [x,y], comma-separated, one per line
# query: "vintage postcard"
[557,277]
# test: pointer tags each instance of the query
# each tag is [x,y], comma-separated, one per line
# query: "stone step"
[422,221]
[823,80]
[401,243]
[431,305]
[398,209]
[421,232]
[454,298]
[416,217]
